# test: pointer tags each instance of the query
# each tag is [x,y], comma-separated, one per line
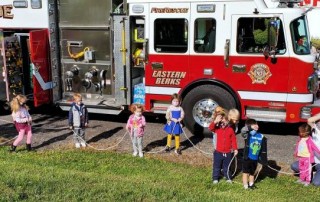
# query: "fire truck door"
[39,48]
[255,76]
[168,52]
[3,75]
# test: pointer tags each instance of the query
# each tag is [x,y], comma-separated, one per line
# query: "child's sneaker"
[299,181]
[135,154]
[167,149]
[83,144]
[178,151]
[141,155]
[77,145]
[215,182]
[229,181]
[306,184]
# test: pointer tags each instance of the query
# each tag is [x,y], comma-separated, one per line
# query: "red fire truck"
[253,55]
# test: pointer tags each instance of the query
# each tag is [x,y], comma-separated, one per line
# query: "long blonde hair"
[17,102]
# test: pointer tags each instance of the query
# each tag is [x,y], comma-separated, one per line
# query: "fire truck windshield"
[299,34]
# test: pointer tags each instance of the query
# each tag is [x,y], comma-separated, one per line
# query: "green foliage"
[261,37]
[99,176]
[316,43]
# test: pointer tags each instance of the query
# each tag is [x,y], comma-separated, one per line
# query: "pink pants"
[23,128]
[305,169]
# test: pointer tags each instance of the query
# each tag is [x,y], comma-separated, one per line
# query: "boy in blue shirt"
[255,150]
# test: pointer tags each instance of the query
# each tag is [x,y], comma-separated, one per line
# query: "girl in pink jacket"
[135,127]
[304,150]
[22,121]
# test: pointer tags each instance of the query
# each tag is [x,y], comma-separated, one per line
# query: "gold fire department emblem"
[259,73]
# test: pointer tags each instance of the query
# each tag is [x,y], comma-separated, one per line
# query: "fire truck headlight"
[313,85]
[305,113]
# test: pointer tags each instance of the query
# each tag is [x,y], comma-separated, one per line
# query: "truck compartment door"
[39,49]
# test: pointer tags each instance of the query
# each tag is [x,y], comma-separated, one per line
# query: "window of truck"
[171,35]
[252,36]
[299,34]
[205,35]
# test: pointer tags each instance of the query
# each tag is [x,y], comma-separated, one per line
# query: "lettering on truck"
[5,11]
[168,77]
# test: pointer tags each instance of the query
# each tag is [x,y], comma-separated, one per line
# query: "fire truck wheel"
[199,105]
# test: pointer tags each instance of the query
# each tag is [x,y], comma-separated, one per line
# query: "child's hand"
[218,119]
[70,127]
[174,120]
[235,152]
[86,125]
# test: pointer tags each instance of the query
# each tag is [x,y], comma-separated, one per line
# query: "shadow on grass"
[265,171]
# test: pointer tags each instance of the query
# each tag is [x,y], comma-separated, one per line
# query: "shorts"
[249,166]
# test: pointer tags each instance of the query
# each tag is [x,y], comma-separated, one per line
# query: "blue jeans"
[219,160]
[316,177]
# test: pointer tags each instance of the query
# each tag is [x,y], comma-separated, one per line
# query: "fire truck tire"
[199,104]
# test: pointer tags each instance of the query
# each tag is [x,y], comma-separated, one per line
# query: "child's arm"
[168,115]
[129,123]
[70,117]
[212,126]
[234,142]
[263,153]
[182,115]
[245,132]
[86,117]
[313,119]
[143,122]
[314,147]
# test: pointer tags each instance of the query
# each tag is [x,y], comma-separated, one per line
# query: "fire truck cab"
[252,55]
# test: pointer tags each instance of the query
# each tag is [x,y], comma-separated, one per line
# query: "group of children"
[224,127]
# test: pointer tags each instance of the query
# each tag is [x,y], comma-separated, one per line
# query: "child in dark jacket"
[78,120]
[254,151]
[226,142]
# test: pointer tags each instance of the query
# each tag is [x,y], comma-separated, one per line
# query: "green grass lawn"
[76,175]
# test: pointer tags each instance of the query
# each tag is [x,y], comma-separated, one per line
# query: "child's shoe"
[299,181]
[12,148]
[83,144]
[229,181]
[135,154]
[77,145]
[141,155]
[252,187]
[215,182]
[167,149]
[178,151]
[306,184]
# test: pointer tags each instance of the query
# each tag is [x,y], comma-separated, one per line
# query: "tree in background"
[316,42]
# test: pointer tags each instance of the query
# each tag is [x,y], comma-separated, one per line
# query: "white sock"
[250,184]
[245,186]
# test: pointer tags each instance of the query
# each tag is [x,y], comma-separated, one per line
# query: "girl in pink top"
[22,121]
[304,150]
[135,127]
